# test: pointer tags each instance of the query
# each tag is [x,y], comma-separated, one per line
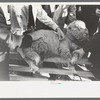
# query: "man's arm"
[44,18]
[92,45]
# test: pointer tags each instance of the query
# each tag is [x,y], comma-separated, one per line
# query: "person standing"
[4,50]
[64,14]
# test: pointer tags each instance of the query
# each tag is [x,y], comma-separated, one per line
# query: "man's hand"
[60,33]
[77,55]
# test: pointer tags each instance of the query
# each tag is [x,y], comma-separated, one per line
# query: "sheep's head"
[77,32]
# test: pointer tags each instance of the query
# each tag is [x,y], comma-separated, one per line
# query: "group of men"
[19,17]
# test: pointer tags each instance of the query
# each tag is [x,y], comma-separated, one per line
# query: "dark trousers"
[4,62]
[95,60]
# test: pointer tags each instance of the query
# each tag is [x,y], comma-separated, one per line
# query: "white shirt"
[6,14]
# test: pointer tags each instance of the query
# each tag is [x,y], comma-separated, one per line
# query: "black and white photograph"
[49,49]
[49,42]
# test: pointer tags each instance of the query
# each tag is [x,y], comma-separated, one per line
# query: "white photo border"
[42,89]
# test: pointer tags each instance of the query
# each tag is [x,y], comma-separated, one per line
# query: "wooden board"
[26,78]
[50,70]
[17,65]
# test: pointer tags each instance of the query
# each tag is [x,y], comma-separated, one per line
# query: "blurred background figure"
[64,14]
[90,14]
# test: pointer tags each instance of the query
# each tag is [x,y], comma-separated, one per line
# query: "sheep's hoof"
[34,70]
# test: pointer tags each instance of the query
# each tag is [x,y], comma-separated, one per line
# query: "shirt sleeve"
[44,18]
[93,43]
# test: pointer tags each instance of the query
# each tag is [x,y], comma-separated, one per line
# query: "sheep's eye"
[70,28]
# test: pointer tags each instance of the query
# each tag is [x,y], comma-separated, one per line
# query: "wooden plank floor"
[51,71]
[17,65]
[26,78]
